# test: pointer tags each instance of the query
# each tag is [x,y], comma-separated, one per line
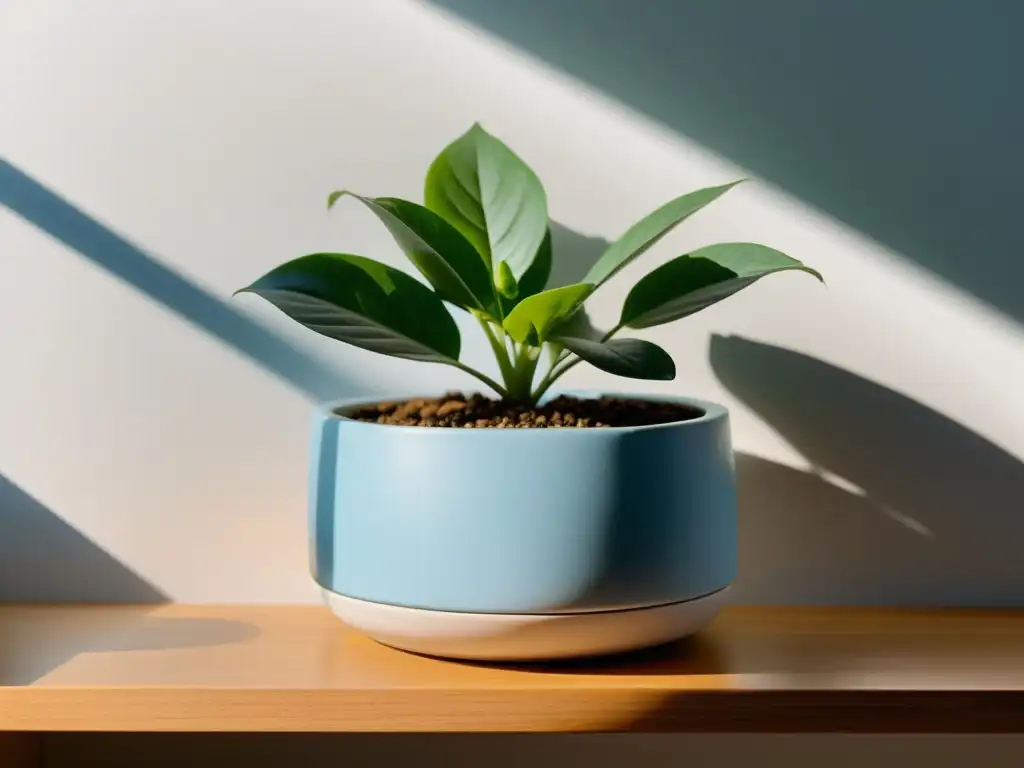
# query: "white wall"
[209,133]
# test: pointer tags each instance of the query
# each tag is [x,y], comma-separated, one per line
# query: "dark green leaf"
[690,283]
[535,316]
[364,303]
[650,229]
[535,279]
[440,253]
[492,197]
[633,358]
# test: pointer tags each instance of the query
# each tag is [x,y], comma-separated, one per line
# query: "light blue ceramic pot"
[543,521]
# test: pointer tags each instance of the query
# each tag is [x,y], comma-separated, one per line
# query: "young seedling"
[482,242]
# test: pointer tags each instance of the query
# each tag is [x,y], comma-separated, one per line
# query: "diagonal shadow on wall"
[89,238]
[901,119]
[45,560]
[42,558]
[903,506]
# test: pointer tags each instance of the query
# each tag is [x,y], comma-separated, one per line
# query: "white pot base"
[524,637]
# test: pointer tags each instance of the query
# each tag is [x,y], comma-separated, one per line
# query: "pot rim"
[328,411]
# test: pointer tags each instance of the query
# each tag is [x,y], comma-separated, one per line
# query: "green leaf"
[650,229]
[333,198]
[633,358]
[364,303]
[440,253]
[535,316]
[690,283]
[492,197]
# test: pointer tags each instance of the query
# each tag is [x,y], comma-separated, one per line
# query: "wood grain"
[296,668]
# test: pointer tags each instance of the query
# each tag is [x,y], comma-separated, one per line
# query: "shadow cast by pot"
[904,505]
[895,118]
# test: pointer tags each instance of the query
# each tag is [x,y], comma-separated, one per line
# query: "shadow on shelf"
[29,653]
[698,655]
[43,560]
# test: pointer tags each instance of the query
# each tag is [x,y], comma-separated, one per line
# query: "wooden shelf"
[296,668]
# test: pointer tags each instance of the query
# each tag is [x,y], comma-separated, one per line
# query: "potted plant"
[534,524]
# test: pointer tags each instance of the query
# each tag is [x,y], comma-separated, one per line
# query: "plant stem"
[500,390]
[553,376]
[520,373]
[526,367]
[611,333]
[500,352]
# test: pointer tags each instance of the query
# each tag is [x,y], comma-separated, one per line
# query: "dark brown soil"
[477,411]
